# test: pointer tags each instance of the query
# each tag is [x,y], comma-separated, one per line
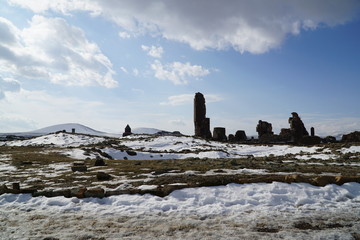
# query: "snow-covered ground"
[173,147]
[59,139]
[248,211]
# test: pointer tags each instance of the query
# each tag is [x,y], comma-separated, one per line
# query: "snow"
[68,128]
[352,149]
[282,203]
[208,148]
[234,211]
[6,167]
[317,156]
[59,140]
[175,147]
[145,130]
[147,187]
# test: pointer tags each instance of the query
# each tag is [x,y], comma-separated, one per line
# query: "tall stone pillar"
[201,122]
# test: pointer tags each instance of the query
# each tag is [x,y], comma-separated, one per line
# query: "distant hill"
[79,128]
[146,130]
[60,127]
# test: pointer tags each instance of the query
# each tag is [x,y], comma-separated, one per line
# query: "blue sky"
[106,64]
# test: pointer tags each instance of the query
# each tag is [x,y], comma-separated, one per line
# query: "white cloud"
[124,70]
[8,85]
[184,99]
[177,72]
[137,90]
[124,35]
[62,6]
[11,123]
[247,26]
[52,49]
[178,122]
[29,109]
[153,51]
[136,72]
[333,126]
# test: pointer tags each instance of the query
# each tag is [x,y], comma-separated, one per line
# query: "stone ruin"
[127,131]
[297,132]
[312,132]
[351,137]
[240,136]
[219,134]
[264,128]
[201,122]
[297,128]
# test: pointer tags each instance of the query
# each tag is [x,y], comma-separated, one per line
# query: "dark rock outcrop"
[101,176]
[78,192]
[3,189]
[95,192]
[79,166]
[99,162]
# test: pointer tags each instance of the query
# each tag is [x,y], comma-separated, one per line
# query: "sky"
[107,63]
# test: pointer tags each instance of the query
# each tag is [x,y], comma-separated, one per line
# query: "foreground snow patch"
[249,211]
[229,199]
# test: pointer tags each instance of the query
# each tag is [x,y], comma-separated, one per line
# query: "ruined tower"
[297,128]
[201,122]
[127,131]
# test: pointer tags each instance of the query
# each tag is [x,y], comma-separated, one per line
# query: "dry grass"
[43,167]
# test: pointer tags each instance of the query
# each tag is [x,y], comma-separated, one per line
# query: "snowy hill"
[153,131]
[68,128]
[145,130]
[79,128]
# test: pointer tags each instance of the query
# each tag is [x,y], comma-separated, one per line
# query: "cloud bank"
[153,51]
[8,85]
[177,72]
[254,26]
[52,49]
